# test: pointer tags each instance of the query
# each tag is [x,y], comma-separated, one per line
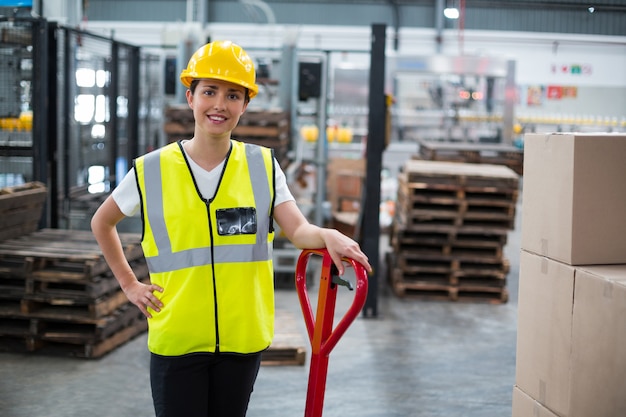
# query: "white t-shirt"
[126,194]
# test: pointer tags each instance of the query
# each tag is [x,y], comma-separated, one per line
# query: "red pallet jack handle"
[320,329]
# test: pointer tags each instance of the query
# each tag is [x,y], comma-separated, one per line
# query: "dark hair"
[194,84]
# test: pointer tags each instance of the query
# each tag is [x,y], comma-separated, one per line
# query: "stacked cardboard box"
[571,360]
[344,189]
[449,230]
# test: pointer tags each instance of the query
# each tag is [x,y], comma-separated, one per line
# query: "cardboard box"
[571,354]
[599,342]
[526,406]
[349,183]
[574,197]
[344,180]
[544,330]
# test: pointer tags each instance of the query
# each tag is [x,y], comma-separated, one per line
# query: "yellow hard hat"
[222,60]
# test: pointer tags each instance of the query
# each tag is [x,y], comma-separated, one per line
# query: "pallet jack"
[322,336]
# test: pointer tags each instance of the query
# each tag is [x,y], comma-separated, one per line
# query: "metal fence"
[75,109]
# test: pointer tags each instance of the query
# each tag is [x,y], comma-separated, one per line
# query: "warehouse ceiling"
[606,17]
[615,6]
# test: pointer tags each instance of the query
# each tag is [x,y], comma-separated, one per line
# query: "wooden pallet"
[455,194]
[64,343]
[12,288]
[455,249]
[487,285]
[279,145]
[477,153]
[442,235]
[449,231]
[58,295]
[16,322]
[61,254]
[49,332]
[183,116]
[246,131]
[455,174]
[22,36]
[480,200]
[21,208]
[89,338]
[451,293]
[59,284]
[180,113]
[262,127]
[484,278]
[469,263]
[73,307]
[80,199]
[264,118]
[288,346]
[414,219]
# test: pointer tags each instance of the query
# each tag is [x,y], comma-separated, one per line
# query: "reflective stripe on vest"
[166,260]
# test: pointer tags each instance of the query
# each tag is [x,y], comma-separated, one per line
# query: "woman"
[208,205]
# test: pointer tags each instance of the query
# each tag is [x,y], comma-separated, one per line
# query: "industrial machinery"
[453,98]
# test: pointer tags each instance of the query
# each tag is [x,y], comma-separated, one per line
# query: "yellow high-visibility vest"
[213,258]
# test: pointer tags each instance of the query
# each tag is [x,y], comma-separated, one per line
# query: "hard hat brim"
[186,80]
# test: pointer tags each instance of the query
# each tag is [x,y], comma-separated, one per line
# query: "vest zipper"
[217,330]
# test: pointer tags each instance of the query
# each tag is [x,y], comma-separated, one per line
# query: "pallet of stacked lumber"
[450,227]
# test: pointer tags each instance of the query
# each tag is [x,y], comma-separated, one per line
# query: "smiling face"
[217,106]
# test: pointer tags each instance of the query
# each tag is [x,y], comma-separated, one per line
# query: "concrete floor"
[416,359]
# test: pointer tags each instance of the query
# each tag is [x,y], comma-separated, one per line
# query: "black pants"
[203,384]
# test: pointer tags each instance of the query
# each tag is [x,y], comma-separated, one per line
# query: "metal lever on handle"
[337,280]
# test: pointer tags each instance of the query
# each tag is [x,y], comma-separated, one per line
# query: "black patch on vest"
[236,221]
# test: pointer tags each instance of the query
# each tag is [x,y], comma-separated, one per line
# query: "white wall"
[541,57]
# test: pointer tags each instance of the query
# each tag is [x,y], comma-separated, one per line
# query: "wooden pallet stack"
[58,296]
[451,224]
[270,128]
[475,153]
[80,206]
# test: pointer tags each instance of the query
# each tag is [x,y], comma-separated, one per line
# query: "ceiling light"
[591,9]
[451,12]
